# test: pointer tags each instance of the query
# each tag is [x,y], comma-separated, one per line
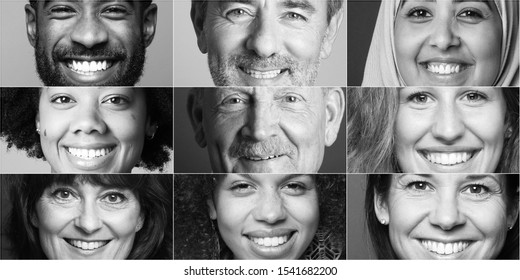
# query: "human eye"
[477,191]
[420,98]
[115,12]
[294,188]
[419,186]
[62,99]
[238,14]
[234,102]
[419,14]
[295,16]
[63,195]
[114,197]
[474,97]
[471,15]
[242,189]
[116,100]
[61,11]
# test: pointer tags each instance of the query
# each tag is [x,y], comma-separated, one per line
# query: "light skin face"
[450,43]
[266,216]
[263,130]
[85,221]
[265,43]
[452,129]
[90,42]
[447,216]
[99,130]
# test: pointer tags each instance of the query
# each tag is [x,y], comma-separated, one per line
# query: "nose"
[88,120]
[88,219]
[89,31]
[270,208]
[444,34]
[264,38]
[446,214]
[449,124]
[262,122]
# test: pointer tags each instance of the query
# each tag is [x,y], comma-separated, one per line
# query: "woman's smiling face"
[85,221]
[446,216]
[266,216]
[450,129]
[98,130]
[448,42]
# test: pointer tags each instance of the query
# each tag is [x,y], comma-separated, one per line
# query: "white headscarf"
[381,67]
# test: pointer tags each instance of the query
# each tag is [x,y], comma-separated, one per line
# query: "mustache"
[76,50]
[271,147]
[274,61]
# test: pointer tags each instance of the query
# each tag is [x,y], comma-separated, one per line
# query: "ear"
[198,16]
[211,209]
[140,222]
[196,116]
[149,24]
[381,208]
[334,111]
[31,24]
[150,128]
[330,34]
[34,220]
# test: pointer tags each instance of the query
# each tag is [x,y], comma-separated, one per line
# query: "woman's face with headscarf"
[266,216]
[85,221]
[446,216]
[99,130]
[450,129]
[448,42]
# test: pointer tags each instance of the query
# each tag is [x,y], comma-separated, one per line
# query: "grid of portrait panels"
[202,131]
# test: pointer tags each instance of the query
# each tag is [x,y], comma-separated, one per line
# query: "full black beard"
[128,75]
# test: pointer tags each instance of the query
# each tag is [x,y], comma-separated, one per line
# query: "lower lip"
[279,252]
[455,79]
[94,164]
[95,78]
[251,81]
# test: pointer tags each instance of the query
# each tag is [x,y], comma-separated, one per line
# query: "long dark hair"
[154,192]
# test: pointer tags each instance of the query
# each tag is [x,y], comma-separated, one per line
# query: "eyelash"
[417,10]
[57,192]
[121,100]
[413,97]
[412,184]
[476,13]
[60,99]
[118,195]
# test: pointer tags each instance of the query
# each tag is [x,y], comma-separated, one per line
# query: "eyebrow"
[289,4]
[47,2]
[482,176]
[288,177]
[487,2]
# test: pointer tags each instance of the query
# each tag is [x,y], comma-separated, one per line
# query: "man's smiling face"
[91,42]
[265,43]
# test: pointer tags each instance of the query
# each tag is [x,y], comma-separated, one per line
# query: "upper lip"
[87,58]
[448,149]
[269,232]
[445,59]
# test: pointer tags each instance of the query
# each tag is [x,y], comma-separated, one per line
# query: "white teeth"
[87,245]
[448,158]
[444,68]
[444,248]
[88,68]
[88,153]
[263,75]
[270,241]
[262,158]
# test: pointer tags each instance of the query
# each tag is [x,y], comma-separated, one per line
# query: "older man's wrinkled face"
[266,43]
[263,130]
[90,42]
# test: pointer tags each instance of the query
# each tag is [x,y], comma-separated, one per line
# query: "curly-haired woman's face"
[99,130]
[451,129]
[446,216]
[450,43]
[85,221]
[266,216]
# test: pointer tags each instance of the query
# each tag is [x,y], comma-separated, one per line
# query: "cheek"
[408,130]
[128,128]
[407,42]
[123,223]
[488,126]
[51,221]
[303,45]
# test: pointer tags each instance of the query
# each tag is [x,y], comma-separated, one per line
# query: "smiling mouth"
[87,245]
[89,153]
[88,67]
[441,248]
[273,241]
[263,74]
[444,68]
[260,158]
[448,159]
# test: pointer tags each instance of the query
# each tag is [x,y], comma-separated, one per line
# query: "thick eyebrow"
[482,176]
[487,2]
[47,2]
[285,178]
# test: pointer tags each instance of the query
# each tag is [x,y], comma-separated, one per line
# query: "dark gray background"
[190,158]
[359,246]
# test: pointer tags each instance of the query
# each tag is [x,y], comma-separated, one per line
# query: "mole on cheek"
[45,132]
